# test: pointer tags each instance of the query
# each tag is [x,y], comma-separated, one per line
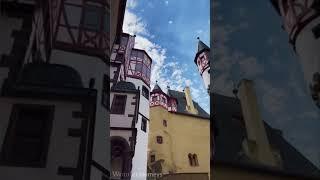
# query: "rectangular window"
[106,26]
[144,124]
[145,92]
[139,67]
[159,139]
[165,123]
[27,138]
[152,158]
[316,31]
[106,92]
[118,104]
[92,17]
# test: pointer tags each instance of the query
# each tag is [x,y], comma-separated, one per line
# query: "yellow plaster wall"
[183,135]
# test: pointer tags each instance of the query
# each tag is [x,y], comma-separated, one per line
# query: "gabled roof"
[182,103]
[231,132]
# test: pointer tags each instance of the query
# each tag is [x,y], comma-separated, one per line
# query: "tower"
[301,20]
[129,100]
[54,82]
[203,62]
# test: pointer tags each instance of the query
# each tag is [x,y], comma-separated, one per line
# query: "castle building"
[129,103]
[54,80]
[244,146]
[301,20]
[179,136]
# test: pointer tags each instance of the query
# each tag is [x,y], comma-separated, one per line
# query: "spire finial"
[156,81]
[198,38]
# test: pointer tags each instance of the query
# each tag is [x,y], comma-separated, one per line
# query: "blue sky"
[168,31]
[250,43]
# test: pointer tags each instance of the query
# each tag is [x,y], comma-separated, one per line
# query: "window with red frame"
[159,140]
[118,104]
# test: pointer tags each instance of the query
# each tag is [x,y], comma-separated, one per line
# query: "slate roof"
[230,132]
[50,75]
[124,86]
[182,103]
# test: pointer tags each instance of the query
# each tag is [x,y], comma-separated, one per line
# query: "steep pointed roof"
[201,47]
[157,88]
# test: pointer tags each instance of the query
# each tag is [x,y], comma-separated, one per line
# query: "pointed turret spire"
[202,46]
[156,87]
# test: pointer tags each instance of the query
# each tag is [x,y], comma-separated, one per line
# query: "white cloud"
[133,24]
[131,4]
[166,73]
[170,22]
[199,31]
[166,2]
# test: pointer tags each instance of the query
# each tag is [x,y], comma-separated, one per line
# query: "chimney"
[190,106]
[256,144]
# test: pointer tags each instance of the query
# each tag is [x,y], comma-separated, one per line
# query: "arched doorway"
[120,158]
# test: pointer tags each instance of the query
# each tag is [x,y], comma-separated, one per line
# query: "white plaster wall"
[7,26]
[308,50]
[139,160]
[144,103]
[91,67]
[206,78]
[63,150]
[122,120]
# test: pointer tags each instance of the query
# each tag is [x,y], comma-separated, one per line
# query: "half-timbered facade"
[54,78]
[129,104]
[301,20]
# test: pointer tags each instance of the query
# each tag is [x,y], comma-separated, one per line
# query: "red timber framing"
[161,99]
[81,26]
[296,15]
[139,66]
[203,62]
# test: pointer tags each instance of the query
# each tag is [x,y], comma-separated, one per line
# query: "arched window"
[190,159]
[159,139]
[195,160]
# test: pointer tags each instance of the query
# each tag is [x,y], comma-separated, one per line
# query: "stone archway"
[120,159]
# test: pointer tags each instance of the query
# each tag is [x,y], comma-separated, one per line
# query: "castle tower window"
[27,138]
[159,140]
[118,104]
[164,123]
[145,92]
[152,158]
[144,124]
